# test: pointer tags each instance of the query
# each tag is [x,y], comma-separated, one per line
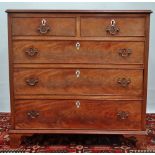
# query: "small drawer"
[78,114]
[112,26]
[78,81]
[55,26]
[88,52]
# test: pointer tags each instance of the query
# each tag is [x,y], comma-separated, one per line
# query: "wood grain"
[64,114]
[97,66]
[57,38]
[58,89]
[79,131]
[146,57]
[94,97]
[91,26]
[58,26]
[79,11]
[90,52]
[90,81]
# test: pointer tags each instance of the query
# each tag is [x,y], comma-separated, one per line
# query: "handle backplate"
[122,115]
[125,52]
[31,51]
[33,114]
[124,82]
[43,28]
[32,81]
[112,29]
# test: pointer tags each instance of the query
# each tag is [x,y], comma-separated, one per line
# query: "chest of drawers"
[78,71]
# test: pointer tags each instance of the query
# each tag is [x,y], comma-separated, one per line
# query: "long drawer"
[78,81]
[78,114]
[89,52]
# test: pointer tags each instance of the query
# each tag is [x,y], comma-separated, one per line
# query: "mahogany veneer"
[90,52]
[78,72]
[90,115]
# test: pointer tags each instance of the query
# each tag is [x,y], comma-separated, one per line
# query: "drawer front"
[78,114]
[112,26]
[61,26]
[78,81]
[89,52]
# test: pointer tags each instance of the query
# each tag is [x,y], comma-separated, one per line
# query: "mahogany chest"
[78,71]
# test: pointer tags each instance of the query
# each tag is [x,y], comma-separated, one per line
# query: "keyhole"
[113,22]
[43,22]
[77,45]
[77,104]
[77,73]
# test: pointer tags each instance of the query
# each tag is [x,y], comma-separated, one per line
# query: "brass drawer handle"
[43,28]
[32,114]
[77,73]
[77,104]
[77,45]
[32,81]
[124,52]
[112,29]
[31,51]
[122,115]
[123,82]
